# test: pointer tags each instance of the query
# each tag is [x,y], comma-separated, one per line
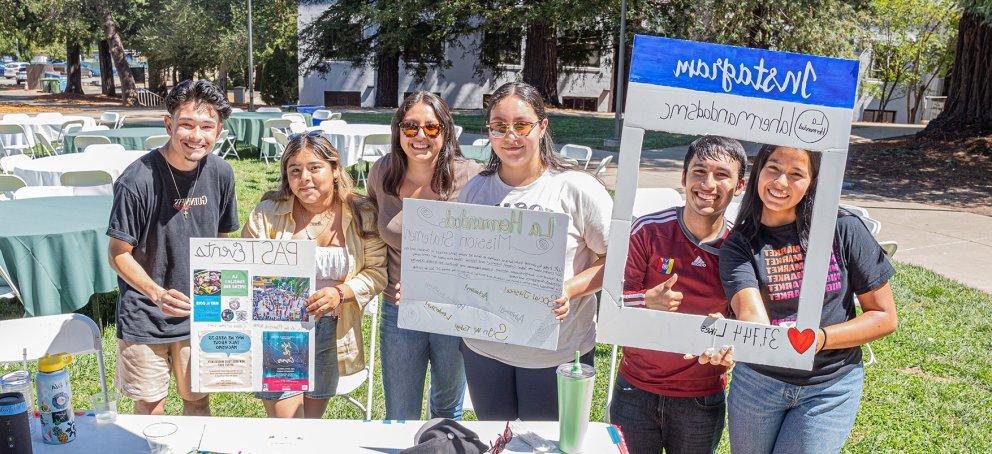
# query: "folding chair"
[104,148]
[374,147]
[602,165]
[31,338]
[652,200]
[580,153]
[349,383]
[49,116]
[68,127]
[82,178]
[268,109]
[295,118]
[324,114]
[7,145]
[330,124]
[11,183]
[225,144]
[46,145]
[458,132]
[480,142]
[81,142]
[109,119]
[16,117]
[153,142]
[7,288]
[7,163]
[33,192]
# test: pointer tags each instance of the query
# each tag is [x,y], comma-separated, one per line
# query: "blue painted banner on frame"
[753,73]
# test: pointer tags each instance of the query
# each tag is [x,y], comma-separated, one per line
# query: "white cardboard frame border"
[686,333]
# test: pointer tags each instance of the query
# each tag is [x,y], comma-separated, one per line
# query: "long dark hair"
[344,186]
[550,159]
[443,180]
[749,217]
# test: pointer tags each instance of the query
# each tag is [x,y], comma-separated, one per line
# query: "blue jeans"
[768,415]
[405,354]
[325,364]
[650,422]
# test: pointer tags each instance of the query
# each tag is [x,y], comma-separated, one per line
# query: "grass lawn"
[566,128]
[929,391]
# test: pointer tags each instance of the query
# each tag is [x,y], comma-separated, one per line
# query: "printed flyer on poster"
[482,272]
[249,330]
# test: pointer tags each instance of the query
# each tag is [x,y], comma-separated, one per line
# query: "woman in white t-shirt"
[512,381]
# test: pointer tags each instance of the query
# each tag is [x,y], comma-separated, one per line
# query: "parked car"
[10,69]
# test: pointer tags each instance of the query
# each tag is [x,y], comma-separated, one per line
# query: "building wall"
[458,85]
[899,105]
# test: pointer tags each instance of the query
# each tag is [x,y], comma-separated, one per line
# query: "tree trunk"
[968,109]
[158,77]
[106,70]
[387,77]
[541,61]
[73,73]
[129,92]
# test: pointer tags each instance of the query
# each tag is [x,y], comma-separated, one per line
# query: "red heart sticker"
[801,340]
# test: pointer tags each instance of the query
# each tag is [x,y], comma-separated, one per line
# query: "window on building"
[581,48]
[579,103]
[342,98]
[879,116]
[502,47]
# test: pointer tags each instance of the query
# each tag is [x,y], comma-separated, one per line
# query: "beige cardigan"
[273,219]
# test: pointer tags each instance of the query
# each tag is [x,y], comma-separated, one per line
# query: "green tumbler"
[576,382]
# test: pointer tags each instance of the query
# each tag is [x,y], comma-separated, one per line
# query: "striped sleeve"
[639,254]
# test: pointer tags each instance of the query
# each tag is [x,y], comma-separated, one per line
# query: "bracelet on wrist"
[824,345]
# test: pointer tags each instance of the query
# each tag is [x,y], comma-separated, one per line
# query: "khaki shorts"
[143,370]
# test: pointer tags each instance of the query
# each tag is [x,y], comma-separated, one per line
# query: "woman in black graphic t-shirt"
[789,410]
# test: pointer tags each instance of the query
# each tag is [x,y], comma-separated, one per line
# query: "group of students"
[685,259]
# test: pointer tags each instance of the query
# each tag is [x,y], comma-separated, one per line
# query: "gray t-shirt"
[588,206]
[146,215]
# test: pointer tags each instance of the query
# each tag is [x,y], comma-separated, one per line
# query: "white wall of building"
[458,85]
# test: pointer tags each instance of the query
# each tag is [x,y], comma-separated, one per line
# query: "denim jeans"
[325,364]
[650,422]
[768,415]
[405,354]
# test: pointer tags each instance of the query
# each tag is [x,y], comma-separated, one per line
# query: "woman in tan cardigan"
[316,201]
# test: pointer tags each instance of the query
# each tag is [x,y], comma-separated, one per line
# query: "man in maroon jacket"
[665,400]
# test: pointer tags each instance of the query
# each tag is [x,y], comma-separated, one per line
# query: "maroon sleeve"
[638,254]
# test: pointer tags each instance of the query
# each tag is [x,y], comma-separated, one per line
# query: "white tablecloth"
[349,139]
[48,171]
[50,127]
[260,435]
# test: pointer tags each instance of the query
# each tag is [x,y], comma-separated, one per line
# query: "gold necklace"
[185,200]
[329,219]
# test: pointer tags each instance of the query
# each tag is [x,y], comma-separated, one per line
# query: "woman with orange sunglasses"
[423,163]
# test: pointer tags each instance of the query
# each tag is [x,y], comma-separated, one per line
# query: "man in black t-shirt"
[163,199]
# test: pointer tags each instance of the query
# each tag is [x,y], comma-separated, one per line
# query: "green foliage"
[279,82]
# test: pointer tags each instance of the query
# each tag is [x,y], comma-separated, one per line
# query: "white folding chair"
[458,132]
[236,109]
[120,122]
[33,192]
[324,114]
[46,145]
[156,141]
[69,127]
[7,163]
[11,183]
[83,141]
[225,145]
[330,124]
[602,165]
[652,200]
[374,147]
[298,128]
[16,117]
[104,148]
[32,338]
[50,116]
[7,143]
[268,109]
[95,128]
[278,141]
[7,288]
[109,119]
[349,383]
[580,153]
[480,142]
[295,118]
[82,178]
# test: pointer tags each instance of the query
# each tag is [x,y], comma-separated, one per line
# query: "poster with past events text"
[249,330]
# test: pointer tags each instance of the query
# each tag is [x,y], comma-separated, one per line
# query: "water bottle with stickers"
[58,425]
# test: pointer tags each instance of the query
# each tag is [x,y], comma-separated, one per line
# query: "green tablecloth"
[130,138]
[478,153]
[249,127]
[55,251]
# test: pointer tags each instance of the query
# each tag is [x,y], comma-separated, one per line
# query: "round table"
[48,171]
[49,127]
[249,127]
[54,249]
[350,138]
[130,138]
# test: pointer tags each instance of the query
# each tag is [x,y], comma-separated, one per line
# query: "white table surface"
[264,435]
[48,171]
[350,138]
[50,127]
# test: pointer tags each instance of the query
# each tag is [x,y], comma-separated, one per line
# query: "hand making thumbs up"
[662,297]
